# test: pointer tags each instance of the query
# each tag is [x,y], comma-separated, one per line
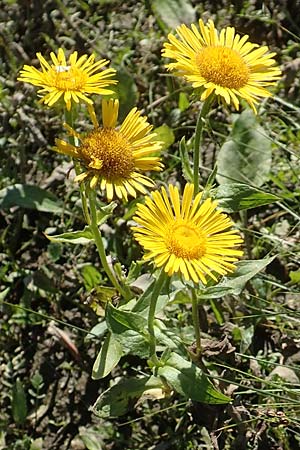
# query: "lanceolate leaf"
[119,320]
[234,284]
[108,357]
[129,329]
[133,343]
[234,197]
[116,401]
[246,156]
[30,197]
[188,380]
[173,12]
[185,161]
[19,404]
[83,237]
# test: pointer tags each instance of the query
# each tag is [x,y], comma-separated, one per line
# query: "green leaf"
[217,310]
[185,161]
[246,156]
[117,400]
[165,135]
[30,197]
[104,212]
[143,303]
[134,271]
[234,284]
[83,237]
[188,380]
[183,102]
[37,444]
[133,343]
[4,293]
[129,329]
[91,440]
[37,381]
[243,337]
[108,357]
[97,331]
[180,296]
[246,338]
[173,12]
[19,404]
[54,250]
[211,179]
[119,320]
[102,294]
[91,277]
[167,339]
[294,276]
[233,197]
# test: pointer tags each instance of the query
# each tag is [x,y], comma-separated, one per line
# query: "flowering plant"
[190,246]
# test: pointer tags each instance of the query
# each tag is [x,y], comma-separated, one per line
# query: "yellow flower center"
[68,78]
[222,66]
[185,240]
[109,152]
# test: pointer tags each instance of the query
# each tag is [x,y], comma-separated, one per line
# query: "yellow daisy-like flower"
[73,80]
[224,63]
[189,237]
[116,157]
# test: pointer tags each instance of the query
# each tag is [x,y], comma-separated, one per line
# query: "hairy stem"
[198,138]
[69,120]
[195,314]
[100,247]
[153,301]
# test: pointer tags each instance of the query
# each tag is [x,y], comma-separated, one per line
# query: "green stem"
[83,198]
[69,119]
[195,314]
[198,138]
[100,247]
[153,301]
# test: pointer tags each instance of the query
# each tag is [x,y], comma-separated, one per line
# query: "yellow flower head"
[116,157]
[73,80]
[224,63]
[188,237]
